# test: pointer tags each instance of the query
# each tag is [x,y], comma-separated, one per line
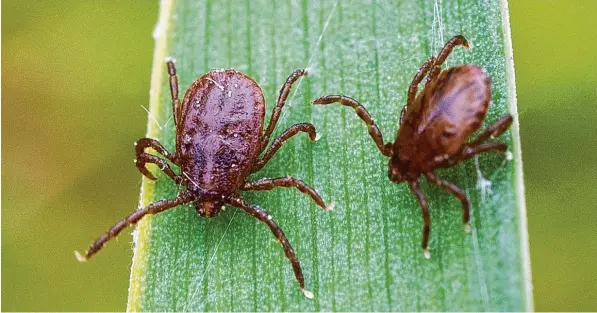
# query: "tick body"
[434,127]
[220,141]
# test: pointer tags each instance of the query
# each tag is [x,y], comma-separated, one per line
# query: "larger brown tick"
[434,126]
[219,138]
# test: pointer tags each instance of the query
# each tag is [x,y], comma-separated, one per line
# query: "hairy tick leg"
[140,164]
[374,131]
[457,40]
[264,217]
[143,143]
[433,67]
[434,72]
[284,91]
[271,183]
[278,142]
[416,189]
[414,85]
[154,208]
[495,130]
[174,91]
[470,152]
[457,192]
[145,158]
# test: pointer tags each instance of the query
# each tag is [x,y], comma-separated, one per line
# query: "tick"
[434,127]
[219,143]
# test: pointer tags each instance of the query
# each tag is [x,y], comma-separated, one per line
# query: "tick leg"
[495,130]
[143,143]
[132,219]
[477,146]
[174,91]
[284,91]
[433,74]
[457,40]
[414,85]
[271,183]
[433,65]
[264,217]
[416,189]
[145,158]
[278,142]
[449,187]
[374,131]
[470,152]
[449,46]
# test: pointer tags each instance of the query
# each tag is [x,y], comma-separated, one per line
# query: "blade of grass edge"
[520,195]
[142,234]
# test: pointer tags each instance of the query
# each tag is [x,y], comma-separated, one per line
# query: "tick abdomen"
[445,114]
[462,94]
[223,116]
[458,103]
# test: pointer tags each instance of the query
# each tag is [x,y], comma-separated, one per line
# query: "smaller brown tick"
[219,140]
[434,126]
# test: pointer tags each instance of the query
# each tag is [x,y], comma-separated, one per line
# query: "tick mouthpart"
[395,175]
[427,254]
[307,293]
[208,208]
[80,257]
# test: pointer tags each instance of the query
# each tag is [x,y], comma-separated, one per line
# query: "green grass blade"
[365,255]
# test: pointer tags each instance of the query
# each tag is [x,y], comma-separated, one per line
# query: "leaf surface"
[365,255]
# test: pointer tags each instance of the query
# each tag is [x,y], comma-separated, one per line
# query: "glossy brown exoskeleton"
[219,138]
[434,126]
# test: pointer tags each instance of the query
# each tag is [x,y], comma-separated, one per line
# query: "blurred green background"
[75,76]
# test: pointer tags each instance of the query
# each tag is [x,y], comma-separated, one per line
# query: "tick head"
[401,169]
[395,173]
[208,207]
